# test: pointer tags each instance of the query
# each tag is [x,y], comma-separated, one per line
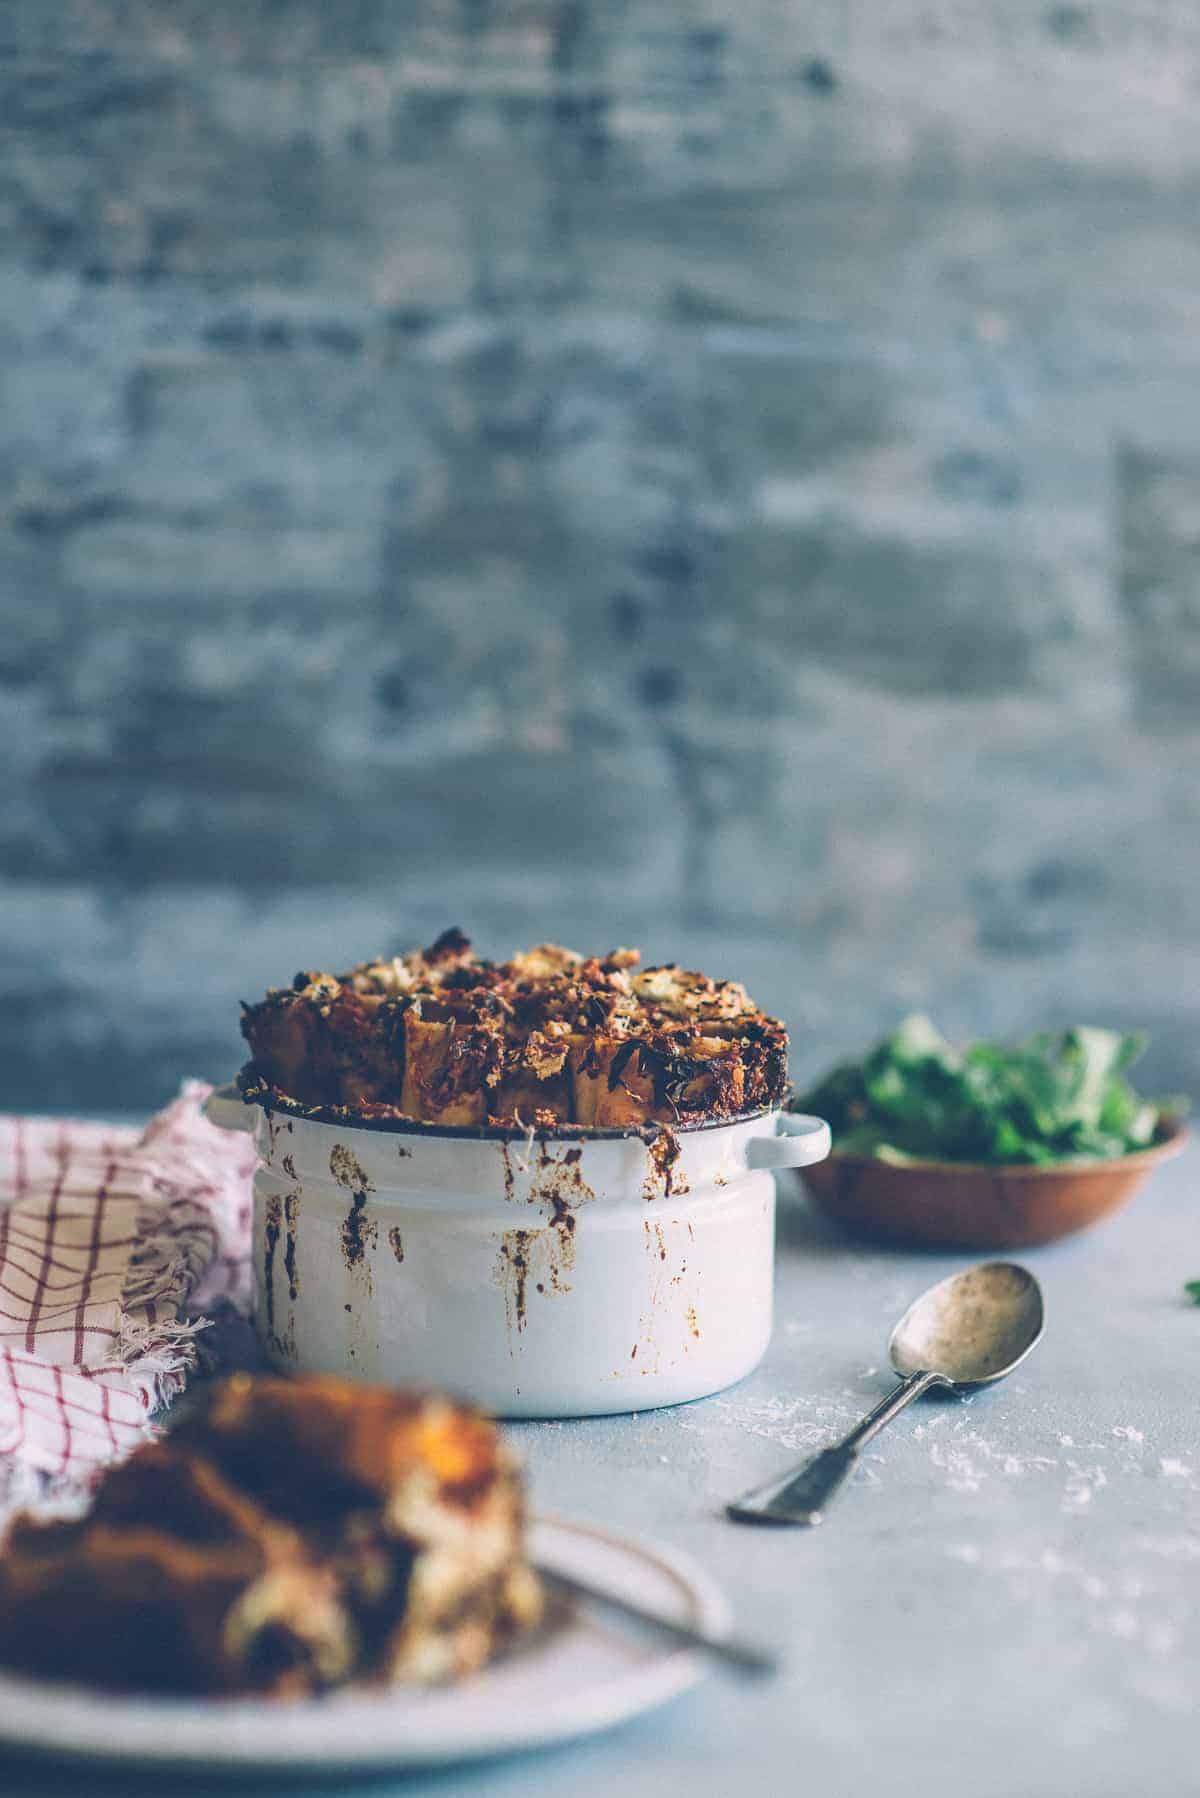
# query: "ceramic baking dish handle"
[226,1108]
[801,1141]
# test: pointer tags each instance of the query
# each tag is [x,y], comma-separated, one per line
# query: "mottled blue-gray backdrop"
[724,477]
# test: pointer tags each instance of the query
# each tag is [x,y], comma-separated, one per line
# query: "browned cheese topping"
[547,1037]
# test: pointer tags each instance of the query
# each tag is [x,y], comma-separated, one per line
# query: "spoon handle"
[802,1495]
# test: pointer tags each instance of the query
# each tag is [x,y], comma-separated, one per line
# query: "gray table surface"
[1007,1597]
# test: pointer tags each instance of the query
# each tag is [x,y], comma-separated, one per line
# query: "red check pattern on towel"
[111,1242]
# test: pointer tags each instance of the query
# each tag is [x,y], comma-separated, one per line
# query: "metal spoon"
[969,1331]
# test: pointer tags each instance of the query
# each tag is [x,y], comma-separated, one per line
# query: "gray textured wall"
[724,477]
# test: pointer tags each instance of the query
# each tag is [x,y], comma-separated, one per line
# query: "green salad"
[1057,1096]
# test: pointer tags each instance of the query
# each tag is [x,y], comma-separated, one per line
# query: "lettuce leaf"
[1054,1097]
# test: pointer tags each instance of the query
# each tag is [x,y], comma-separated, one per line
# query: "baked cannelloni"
[300,1534]
[548,1037]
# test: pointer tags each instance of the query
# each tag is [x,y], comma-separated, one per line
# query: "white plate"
[583,1675]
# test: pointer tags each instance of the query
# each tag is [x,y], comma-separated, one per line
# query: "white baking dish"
[555,1277]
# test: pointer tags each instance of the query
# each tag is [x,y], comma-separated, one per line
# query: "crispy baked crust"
[301,1534]
[442,1037]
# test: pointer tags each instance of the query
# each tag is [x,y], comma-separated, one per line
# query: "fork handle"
[802,1495]
[747,1657]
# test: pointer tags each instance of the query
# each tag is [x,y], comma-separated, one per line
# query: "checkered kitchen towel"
[111,1243]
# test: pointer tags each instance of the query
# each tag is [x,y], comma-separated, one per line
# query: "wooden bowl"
[967,1205]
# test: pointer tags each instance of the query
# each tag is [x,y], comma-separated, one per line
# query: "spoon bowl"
[971,1329]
